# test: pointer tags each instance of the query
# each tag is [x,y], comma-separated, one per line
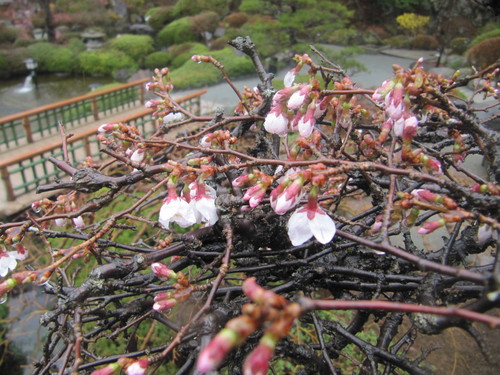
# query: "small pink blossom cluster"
[161,81]
[396,101]
[195,206]
[218,139]
[251,99]
[295,108]
[255,194]
[307,221]
[182,287]
[268,308]
[65,204]
[131,367]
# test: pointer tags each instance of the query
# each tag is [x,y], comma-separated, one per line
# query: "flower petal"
[322,227]
[298,227]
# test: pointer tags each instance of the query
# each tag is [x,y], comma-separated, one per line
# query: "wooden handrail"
[40,150]
[62,103]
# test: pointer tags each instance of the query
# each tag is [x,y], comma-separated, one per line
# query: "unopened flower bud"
[161,270]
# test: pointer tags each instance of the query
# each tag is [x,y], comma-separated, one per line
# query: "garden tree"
[221,247]
[301,19]
[46,6]
[385,9]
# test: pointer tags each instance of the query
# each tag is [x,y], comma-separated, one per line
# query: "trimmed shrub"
[12,62]
[104,62]
[183,53]
[177,32]
[236,20]
[459,45]
[76,45]
[412,22]
[8,34]
[490,34]
[218,44]
[397,41]
[62,59]
[22,42]
[426,42]
[159,17]
[191,7]
[265,33]
[135,46]
[484,53]
[190,75]
[158,59]
[205,21]
[42,52]
[234,65]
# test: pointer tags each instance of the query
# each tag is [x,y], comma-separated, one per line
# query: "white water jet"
[27,85]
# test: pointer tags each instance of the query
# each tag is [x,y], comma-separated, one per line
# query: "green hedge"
[102,62]
[158,59]
[184,8]
[62,59]
[234,65]
[12,62]
[490,34]
[159,17]
[191,74]
[183,52]
[41,52]
[135,46]
[177,32]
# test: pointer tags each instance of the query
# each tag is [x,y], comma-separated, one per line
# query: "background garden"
[149,34]
[141,34]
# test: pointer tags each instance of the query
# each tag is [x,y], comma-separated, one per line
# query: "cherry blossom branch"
[313,304]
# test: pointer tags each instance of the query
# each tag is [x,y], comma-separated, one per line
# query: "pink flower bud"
[298,97]
[214,353]
[425,195]
[107,128]
[289,77]
[255,195]
[431,226]
[60,222]
[137,155]
[78,222]
[276,122]
[241,180]
[152,103]
[108,370]
[257,363]
[161,270]
[138,367]
[164,304]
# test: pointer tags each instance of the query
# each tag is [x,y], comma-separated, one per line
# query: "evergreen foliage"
[135,46]
[176,32]
[103,62]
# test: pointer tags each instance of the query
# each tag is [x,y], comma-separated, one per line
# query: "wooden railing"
[23,173]
[30,126]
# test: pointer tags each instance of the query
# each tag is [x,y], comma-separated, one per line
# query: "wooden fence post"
[8,184]
[27,129]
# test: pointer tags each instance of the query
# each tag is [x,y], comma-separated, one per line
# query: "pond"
[21,94]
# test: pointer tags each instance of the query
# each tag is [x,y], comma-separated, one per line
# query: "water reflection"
[17,96]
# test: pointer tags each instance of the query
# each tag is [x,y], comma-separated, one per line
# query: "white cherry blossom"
[308,221]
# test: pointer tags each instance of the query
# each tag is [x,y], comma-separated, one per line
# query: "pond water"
[21,94]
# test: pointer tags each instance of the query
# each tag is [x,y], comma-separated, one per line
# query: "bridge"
[28,139]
